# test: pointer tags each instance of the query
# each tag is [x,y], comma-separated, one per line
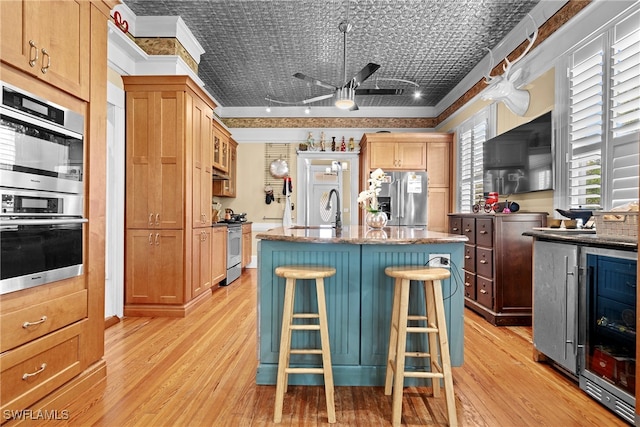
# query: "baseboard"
[110,321]
[165,310]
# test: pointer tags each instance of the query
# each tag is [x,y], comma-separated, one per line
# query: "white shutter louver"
[625,81]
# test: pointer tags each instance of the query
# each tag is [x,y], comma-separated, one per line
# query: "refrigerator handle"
[400,199]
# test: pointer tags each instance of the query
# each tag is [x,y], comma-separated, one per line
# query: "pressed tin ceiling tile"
[253,47]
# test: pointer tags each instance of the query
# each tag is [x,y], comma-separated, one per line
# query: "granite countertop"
[358,235]
[588,239]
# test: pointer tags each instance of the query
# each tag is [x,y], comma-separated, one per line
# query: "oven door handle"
[14,222]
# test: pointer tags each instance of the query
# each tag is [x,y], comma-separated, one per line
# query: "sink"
[311,227]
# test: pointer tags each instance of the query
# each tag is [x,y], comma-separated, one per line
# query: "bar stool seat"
[291,273]
[436,330]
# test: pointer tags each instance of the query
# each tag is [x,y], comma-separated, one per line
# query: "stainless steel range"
[234,251]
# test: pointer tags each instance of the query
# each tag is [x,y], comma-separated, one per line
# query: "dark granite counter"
[584,239]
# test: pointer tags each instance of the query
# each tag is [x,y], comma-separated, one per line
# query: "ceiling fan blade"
[317,98]
[314,81]
[379,91]
[364,74]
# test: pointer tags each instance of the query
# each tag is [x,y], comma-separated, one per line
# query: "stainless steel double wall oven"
[41,190]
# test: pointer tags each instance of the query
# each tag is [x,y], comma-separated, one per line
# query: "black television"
[520,160]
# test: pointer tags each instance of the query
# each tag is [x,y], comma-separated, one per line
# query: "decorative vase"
[376,219]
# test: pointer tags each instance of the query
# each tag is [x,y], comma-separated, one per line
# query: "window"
[471,137]
[604,118]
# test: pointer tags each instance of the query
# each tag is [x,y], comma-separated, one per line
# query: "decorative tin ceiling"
[253,47]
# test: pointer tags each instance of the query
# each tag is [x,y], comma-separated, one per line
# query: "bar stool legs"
[436,330]
[291,273]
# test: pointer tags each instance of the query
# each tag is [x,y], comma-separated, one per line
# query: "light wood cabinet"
[394,155]
[201,136]
[155,159]
[154,264]
[58,354]
[201,261]
[218,254]
[227,188]
[430,152]
[168,208]
[49,40]
[220,154]
[246,244]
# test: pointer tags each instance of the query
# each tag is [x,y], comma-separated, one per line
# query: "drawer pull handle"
[482,291]
[43,319]
[33,47]
[45,68]
[455,228]
[467,230]
[157,219]
[151,219]
[467,257]
[483,261]
[483,232]
[467,284]
[42,368]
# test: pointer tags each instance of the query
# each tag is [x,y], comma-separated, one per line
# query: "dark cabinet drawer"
[455,225]
[484,232]
[484,291]
[470,258]
[484,262]
[469,285]
[469,229]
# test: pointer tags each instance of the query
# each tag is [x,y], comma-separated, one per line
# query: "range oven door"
[38,251]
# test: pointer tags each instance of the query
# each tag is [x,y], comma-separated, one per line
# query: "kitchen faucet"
[338,220]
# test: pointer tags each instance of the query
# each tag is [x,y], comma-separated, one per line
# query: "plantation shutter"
[625,111]
[479,138]
[472,136]
[466,172]
[586,131]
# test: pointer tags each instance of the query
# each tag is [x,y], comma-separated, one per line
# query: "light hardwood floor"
[200,371]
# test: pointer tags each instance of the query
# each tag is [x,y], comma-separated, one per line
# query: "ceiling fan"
[345,94]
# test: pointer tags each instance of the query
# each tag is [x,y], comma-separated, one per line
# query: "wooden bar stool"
[291,273]
[436,330]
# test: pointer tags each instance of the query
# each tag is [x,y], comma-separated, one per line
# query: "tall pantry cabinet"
[168,203]
[52,336]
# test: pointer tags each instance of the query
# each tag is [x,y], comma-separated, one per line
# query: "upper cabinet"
[220,153]
[390,151]
[227,187]
[49,40]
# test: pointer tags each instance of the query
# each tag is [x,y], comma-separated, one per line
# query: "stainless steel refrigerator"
[403,197]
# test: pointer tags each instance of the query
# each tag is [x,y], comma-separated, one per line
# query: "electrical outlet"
[440,260]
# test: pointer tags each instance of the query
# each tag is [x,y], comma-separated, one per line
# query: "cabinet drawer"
[469,285]
[484,289]
[25,381]
[470,258]
[484,262]
[21,326]
[484,232]
[469,229]
[455,225]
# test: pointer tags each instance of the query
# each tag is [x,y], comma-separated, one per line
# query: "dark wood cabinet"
[498,264]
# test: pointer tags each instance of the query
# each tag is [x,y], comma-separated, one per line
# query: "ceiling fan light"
[345,98]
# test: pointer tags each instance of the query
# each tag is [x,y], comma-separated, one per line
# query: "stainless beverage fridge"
[403,197]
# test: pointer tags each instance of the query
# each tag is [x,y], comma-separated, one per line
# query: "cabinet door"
[383,155]
[200,140]
[50,40]
[555,302]
[218,254]
[437,209]
[155,145]
[154,267]
[438,159]
[412,155]
[246,245]
[200,261]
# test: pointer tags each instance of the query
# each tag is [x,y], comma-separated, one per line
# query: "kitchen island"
[359,296]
